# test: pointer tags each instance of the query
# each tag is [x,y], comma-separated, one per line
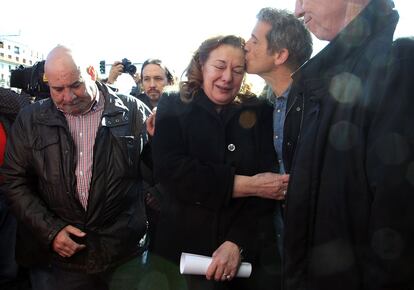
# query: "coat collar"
[204,102]
[376,21]
[113,104]
[377,18]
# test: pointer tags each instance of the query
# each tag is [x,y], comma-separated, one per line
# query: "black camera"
[31,80]
[128,67]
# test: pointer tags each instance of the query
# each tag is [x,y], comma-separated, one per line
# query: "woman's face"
[223,73]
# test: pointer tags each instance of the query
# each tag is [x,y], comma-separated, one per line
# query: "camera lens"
[132,69]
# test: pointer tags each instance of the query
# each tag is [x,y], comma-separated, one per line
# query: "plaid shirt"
[83,129]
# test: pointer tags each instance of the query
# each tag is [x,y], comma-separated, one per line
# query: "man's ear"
[281,56]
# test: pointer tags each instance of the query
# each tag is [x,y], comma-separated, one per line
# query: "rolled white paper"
[197,265]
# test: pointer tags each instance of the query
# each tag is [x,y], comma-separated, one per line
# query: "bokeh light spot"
[247,119]
[345,88]
[343,135]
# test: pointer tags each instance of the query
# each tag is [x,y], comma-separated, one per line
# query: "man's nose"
[68,95]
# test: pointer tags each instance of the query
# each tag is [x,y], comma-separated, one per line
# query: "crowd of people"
[310,182]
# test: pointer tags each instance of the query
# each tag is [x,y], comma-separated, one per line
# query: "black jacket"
[349,222]
[196,153]
[40,182]
[293,123]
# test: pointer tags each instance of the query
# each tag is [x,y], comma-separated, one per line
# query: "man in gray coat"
[72,179]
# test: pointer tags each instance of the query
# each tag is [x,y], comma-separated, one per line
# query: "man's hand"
[64,245]
[150,123]
[271,185]
[265,185]
[225,263]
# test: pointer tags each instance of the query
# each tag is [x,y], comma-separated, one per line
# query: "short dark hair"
[287,32]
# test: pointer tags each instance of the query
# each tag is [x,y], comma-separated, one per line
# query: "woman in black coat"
[208,150]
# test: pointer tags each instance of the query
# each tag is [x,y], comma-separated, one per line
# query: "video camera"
[31,80]
[129,67]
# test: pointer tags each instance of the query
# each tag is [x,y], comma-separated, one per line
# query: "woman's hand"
[225,263]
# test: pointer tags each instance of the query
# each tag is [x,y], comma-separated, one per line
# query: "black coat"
[349,222]
[40,182]
[196,153]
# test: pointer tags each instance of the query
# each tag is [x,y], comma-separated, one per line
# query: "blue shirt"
[279,114]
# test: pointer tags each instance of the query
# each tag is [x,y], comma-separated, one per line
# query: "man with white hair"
[349,222]
[72,177]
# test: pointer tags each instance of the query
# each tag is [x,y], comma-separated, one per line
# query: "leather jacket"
[40,181]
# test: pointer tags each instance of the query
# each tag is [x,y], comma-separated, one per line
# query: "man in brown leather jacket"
[72,177]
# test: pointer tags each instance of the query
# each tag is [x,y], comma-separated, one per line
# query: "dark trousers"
[279,227]
[8,265]
[129,276]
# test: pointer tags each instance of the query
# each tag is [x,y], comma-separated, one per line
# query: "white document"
[198,264]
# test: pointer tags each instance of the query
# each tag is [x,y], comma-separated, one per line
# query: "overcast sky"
[167,29]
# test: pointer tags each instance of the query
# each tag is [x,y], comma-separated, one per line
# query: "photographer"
[120,67]
[150,83]
[31,80]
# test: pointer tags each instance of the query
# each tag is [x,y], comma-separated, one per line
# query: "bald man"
[349,222]
[72,178]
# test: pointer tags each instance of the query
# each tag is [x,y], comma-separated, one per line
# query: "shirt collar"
[284,95]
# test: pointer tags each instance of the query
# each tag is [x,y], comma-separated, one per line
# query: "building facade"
[12,55]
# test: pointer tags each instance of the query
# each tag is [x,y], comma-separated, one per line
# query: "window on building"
[17,50]
[1,44]
[24,60]
[17,58]
[10,57]
[1,54]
